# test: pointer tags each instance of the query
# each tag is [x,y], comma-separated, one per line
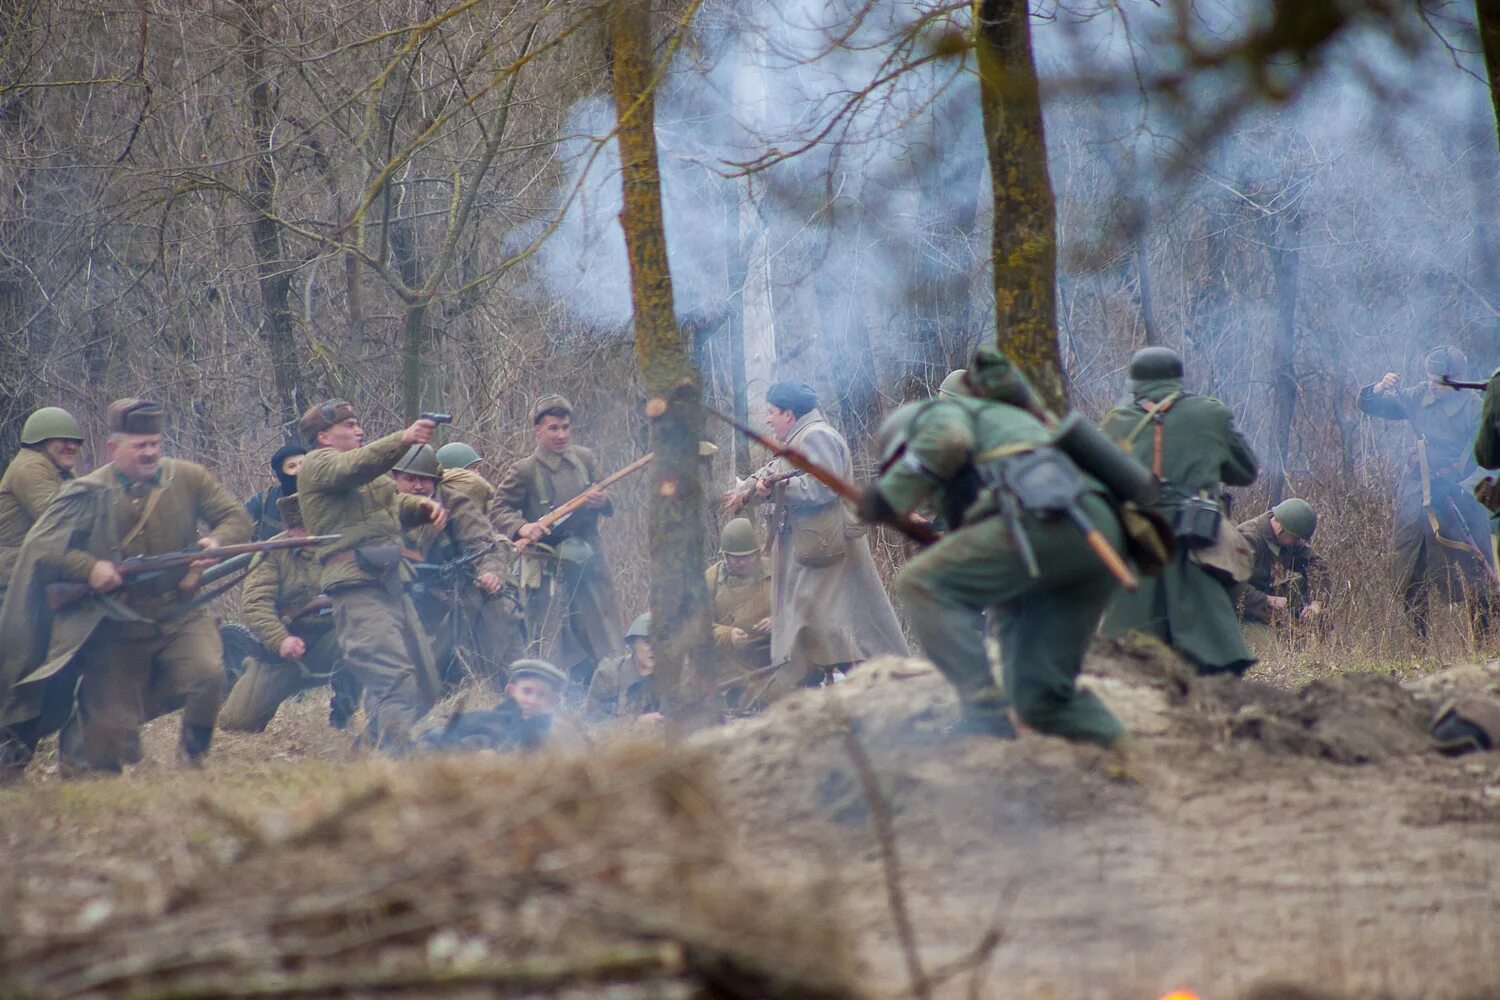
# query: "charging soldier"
[458,461]
[1440,530]
[1016,553]
[343,489]
[50,440]
[572,617]
[1191,444]
[468,617]
[300,648]
[134,651]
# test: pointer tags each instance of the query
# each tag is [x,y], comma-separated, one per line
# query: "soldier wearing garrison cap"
[50,440]
[476,629]
[1441,533]
[344,489]
[132,651]
[829,608]
[1289,582]
[572,617]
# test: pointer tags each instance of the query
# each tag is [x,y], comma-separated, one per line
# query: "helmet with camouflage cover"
[50,422]
[739,538]
[1297,516]
[457,455]
[953,384]
[1152,363]
[420,460]
[640,628]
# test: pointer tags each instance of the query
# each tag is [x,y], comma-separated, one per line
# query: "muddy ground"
[1260,839]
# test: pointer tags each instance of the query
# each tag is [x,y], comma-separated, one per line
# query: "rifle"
[316,606]
[845,490]
[447,572]
[734,502]
[60,595]
[548,520]
[1458,384]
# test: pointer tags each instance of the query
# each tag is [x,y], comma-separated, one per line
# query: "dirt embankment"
[1260,838]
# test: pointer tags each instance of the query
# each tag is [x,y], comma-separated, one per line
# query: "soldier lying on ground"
[522,720]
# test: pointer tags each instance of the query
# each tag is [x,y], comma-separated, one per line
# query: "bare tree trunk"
[1286,252]
[1024,244]
[272,268]
[679,597]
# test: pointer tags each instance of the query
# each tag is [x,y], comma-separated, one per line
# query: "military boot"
[195,743]
[986,712]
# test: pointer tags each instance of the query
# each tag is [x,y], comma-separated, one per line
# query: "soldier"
[1440,530]
[522,721]
[135,651]
[828,608]
[344,490]
[571,611]
[262,507]
[1487,455]
[624,687]
[1191,444]
[959,451]
[1289,582]
[458,460]
[739,585]
[472,624]
[301,650]
[50,440]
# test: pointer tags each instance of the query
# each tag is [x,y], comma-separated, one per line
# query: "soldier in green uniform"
[50,440]
[623,689]
[1440,530]
[135,651]
[475,628]
[572,617]
[961,453]
[739,585]
[459,473]
[301,652]
[344,490]
[1289,582]
[1192,445]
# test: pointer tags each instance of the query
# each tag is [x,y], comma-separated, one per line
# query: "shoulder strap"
[1154,412]
[146,509]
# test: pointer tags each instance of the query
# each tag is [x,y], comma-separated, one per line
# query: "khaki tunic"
[620,691]
[29,484]
[471,484]
[823,615]
[740,602]
[1295,572]
[572,615]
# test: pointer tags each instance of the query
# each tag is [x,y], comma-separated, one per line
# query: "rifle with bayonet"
[140,568]
[915,530]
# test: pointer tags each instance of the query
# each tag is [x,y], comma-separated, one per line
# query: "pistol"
[437,418]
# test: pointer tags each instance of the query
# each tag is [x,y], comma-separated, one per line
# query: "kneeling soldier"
[740,587]
[1289,582]
[1016,556]
[301,650]
[624,687]
[475,627]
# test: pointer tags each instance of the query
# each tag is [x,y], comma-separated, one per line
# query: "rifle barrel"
[1459,384]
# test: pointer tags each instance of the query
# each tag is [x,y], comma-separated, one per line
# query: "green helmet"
[50,422]
[739,538]
[1296,516]
[640,628]
[993,376]
[953,384]
[457,455]
[420,460]
[1151,363]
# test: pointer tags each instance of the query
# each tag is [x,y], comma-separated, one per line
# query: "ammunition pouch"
[818,537]
[1149,539]
[1196,522]
[382,562]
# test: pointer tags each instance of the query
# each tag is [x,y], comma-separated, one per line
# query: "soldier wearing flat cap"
[1440,531]
[572,617]
[521,722]
[344,489]
[828,607]
[135,651]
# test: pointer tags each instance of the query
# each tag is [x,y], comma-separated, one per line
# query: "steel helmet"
[1297,516]
[640,628]
[1151,363]
[420,460]
[50,422]
[457,455]
[739,538]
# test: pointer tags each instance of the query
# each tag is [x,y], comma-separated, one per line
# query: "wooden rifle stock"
[320,603]
[915,530]
[548,520]
[60,595]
